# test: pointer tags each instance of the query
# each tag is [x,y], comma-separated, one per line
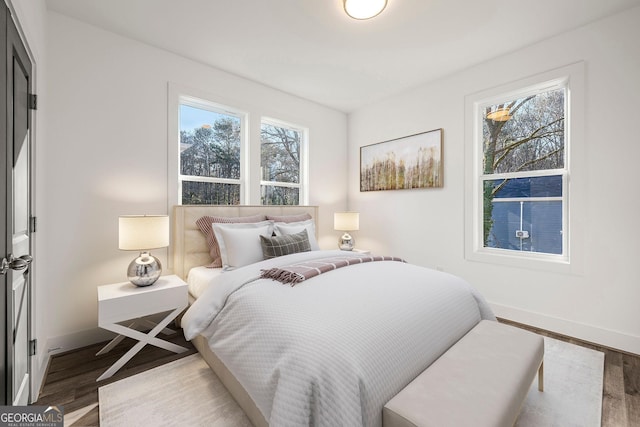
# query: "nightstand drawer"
[125,301]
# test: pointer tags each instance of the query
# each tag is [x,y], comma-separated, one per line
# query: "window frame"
[302,185]
[571,78]
[175,94]
[479,108]
[203,104]
[250,193]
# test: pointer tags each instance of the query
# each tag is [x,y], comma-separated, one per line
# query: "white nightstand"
[120,302]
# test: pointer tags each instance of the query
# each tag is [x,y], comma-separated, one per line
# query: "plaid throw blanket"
[296,273]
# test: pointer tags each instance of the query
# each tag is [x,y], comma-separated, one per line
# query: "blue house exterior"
[527,215]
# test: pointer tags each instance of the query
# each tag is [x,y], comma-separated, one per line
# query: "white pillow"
[296,227]
[240,243]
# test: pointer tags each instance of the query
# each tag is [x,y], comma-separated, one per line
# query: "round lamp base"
[144,270]
[346,242]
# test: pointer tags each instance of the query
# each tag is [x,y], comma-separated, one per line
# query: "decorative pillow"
[240,243]
[282,228]
[205,225]
[289,218]
[284,245]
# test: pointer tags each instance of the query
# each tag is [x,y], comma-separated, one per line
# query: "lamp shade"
[143,232]
[346,221]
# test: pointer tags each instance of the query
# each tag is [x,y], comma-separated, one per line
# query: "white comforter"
[332,350]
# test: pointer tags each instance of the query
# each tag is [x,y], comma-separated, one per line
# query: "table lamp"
[346,221]
[142,233]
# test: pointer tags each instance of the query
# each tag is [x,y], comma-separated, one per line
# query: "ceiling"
[312,49]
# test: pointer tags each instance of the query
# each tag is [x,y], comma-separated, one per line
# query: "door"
[16,214]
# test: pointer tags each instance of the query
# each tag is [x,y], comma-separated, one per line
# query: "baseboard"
[75,340]
[63,343]
[600,336]
[58,345]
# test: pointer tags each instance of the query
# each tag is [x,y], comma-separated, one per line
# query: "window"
[525,183]
[217,155]
[281,163]
[524,174]
[211,152]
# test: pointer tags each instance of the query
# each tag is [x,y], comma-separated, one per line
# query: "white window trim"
[250,152]
[303,185]
[177,95]
[574,177]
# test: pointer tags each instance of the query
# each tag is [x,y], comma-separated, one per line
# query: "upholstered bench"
[481,381]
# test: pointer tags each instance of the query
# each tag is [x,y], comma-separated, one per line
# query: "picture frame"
[410,162]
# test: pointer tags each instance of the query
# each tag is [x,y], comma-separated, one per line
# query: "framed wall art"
[414,161]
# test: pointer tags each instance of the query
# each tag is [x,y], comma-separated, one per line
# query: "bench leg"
[541,377]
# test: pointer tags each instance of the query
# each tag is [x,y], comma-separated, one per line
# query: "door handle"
[26,258]
[16,264]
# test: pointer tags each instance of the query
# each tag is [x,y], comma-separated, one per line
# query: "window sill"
[532,261]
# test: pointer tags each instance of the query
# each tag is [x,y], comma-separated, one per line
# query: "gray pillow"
[284,245]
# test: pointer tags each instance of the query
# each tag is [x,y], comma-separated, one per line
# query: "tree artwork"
[411,162]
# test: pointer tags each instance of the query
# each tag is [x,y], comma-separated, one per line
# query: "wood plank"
[631,368]
[631,371]
[614,413]
[81,401]
[61,397]
[90,419]
[633,410]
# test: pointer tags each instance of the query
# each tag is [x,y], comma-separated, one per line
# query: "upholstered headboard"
[188,245]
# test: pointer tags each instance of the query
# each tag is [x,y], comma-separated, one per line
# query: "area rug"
[187,393]
[572,396]
[182,393]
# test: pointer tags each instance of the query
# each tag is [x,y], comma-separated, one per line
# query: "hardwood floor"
[71,377]
[621,383]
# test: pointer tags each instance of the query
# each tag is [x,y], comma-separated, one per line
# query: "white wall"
[427,226]
[107,156]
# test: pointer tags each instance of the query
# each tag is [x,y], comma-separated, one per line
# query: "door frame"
[5,243]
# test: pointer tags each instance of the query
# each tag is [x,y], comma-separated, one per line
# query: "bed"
[331,350]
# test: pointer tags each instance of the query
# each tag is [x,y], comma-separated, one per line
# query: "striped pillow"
[284,245]
[289,218]
[205,224]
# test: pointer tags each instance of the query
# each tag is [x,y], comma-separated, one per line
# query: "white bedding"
[332,350]
[200,278]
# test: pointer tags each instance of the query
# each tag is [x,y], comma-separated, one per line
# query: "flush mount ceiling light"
[364,9]
[500,115]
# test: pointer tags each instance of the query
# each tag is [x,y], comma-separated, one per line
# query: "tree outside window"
[210,148]
[280,163]
[524,172]
[214,152]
